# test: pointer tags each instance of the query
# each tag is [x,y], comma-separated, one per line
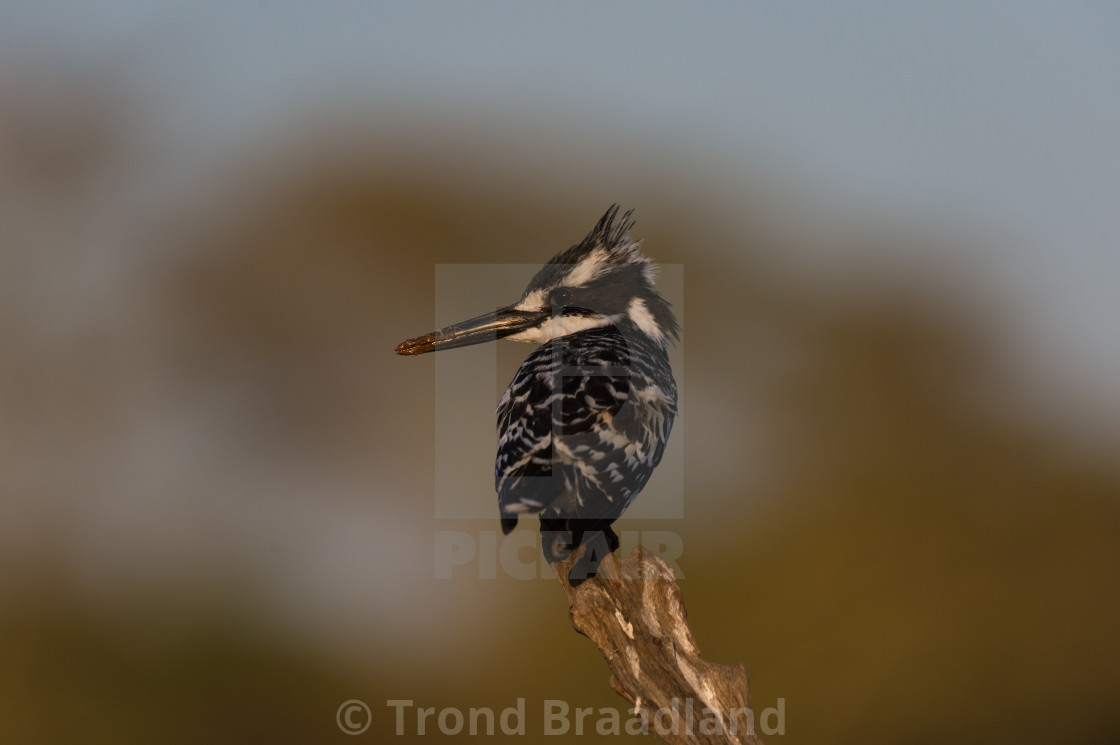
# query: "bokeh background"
[898,231]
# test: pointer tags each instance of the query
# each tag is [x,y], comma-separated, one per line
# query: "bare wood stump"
[634,613]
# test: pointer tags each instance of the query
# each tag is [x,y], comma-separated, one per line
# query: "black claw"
[612,539]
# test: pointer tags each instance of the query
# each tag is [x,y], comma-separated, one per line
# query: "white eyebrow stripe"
[588,269]
[533,301]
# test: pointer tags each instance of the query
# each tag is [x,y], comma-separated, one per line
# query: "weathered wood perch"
[634,613]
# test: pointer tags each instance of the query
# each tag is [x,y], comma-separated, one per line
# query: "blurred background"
[897,230]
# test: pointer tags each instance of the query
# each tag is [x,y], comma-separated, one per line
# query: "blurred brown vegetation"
[895,555]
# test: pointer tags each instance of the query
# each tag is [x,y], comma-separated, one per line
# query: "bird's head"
[605,280]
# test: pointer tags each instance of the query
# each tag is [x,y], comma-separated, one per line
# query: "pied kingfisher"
[587,416]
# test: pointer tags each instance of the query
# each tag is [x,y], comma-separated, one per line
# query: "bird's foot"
[596,547]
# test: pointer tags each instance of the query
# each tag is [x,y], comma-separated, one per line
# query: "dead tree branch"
[634,613]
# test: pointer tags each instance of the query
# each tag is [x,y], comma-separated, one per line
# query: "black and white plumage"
[586,418]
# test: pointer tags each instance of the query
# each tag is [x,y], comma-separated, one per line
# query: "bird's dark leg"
[556,539]
[560,537]
[596,547]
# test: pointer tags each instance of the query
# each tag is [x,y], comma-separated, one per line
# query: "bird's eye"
[560,296]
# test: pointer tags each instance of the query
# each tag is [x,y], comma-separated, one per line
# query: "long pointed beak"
[487,327]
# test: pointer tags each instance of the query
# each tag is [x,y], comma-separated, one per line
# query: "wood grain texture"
[634,613]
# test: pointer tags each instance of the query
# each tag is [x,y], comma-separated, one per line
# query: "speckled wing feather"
[582,426]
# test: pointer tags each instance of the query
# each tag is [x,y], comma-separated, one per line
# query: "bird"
[586,418]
